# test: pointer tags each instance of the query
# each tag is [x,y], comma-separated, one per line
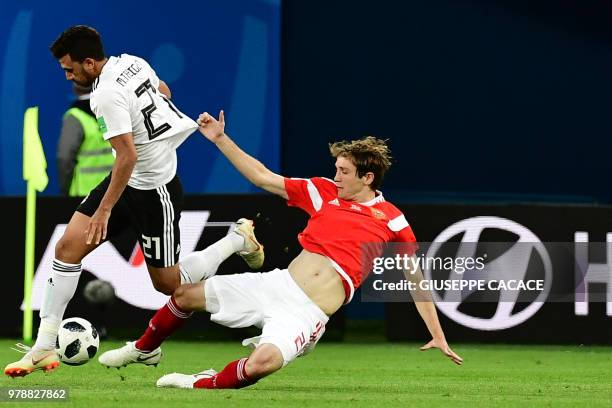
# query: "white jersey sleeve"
[112,112]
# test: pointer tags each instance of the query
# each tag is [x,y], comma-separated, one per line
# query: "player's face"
[350,185]
[81,73]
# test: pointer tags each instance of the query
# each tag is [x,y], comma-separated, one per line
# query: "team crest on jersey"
[376,213]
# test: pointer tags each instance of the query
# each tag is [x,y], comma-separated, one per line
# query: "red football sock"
[232,376]
[166,321]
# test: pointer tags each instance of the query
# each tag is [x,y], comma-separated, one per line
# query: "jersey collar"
[111,61]
[105,68]
[377,199]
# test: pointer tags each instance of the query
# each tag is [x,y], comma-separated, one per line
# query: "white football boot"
[177,380]
[46,360]
[253,253]
[129,354]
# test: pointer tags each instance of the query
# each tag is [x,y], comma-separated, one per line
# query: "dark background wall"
[555,321]
[482,99]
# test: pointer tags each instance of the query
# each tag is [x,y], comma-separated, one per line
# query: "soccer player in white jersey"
[292,306]
[133,108]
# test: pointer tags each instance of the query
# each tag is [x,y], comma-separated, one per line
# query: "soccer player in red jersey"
[291,306]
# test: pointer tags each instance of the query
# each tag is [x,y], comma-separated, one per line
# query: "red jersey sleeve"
[299,194]
[308,194]
[403,235]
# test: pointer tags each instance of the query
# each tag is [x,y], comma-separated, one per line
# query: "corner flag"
[35,174]
[34,162]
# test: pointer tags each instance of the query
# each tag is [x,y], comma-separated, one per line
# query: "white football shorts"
[271,301]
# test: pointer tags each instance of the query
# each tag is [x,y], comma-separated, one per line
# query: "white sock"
[201,265]
[58,292]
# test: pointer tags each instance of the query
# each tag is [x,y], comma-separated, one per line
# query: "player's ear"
[88,64]
[368,178]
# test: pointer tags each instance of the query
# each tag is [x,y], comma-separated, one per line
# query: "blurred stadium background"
[492,108]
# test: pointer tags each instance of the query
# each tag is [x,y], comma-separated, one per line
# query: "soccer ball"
[77,341]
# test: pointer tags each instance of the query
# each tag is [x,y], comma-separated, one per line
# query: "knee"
[186,297]
[64,251]
[264,361]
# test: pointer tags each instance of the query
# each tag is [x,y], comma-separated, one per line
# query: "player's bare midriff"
[317,277]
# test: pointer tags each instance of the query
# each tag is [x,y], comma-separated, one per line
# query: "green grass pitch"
[347,375]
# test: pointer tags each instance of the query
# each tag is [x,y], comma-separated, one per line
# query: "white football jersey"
[125,98]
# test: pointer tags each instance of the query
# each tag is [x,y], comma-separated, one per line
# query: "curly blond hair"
[368,154]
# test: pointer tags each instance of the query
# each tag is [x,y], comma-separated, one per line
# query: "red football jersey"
[338,228]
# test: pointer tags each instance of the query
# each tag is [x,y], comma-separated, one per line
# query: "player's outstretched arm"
[248,166]
[427,310]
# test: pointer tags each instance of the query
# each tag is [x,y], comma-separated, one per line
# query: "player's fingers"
[453,356]
[90,232]
[96,234]
[427,346]
[222,117]
[104,230]
[94,237]
[100,233]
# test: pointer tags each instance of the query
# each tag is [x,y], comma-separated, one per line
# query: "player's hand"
[444,348]
[210,127]
[96,230]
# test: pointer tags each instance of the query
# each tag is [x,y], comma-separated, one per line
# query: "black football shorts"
[153,214]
